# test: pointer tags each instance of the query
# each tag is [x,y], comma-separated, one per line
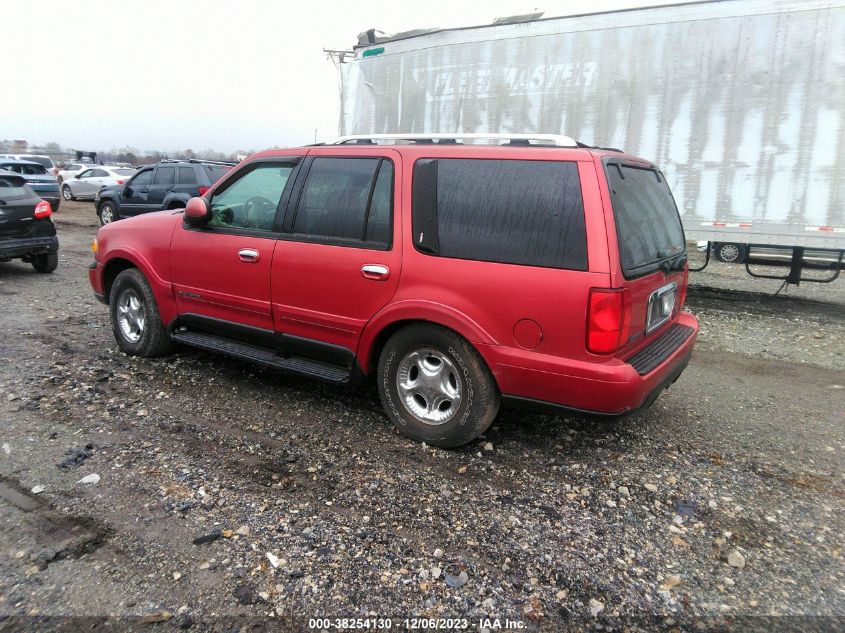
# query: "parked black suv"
[167,185]
[26,230]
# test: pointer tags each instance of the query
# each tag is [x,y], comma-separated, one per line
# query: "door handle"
[248,255]
[377,272]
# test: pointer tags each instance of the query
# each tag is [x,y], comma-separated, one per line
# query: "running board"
[262,356]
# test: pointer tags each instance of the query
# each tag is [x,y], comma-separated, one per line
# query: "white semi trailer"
[740,102]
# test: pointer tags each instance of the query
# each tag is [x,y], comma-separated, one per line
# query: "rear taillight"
[43,209]
[120,182]
[608,320]
[203,190]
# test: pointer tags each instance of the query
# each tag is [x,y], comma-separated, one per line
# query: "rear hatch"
[652,248]
[17,205]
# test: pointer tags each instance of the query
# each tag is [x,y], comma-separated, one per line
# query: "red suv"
[456,274]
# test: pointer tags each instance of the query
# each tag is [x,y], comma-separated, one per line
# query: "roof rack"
[200,161]
[445,139]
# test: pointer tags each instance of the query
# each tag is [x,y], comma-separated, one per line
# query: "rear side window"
[27,169]
[12,188]
[165,176]
[215,173]
[187,176]
[648,227]
[508,211]
[347,199]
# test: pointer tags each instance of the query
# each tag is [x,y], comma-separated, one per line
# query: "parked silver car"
[88,182]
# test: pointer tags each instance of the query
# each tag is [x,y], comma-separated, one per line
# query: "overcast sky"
[200,74]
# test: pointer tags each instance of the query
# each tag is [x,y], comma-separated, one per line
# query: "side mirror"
[78,176]
[197,211]
[127,191]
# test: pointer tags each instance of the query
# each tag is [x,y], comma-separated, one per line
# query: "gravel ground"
[234,498]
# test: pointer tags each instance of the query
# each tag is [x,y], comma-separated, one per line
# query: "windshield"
[648,227]
[27,169]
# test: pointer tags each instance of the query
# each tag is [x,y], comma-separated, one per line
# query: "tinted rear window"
[336,197]
[648,227]
[12,188]
[524,212]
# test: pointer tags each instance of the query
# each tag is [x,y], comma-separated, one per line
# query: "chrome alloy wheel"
[429,386]
[729,252]
[106,215]
[130,315]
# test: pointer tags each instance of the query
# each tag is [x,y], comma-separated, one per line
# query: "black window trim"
[433,250]
[288,235]
[236,174]
[678,259]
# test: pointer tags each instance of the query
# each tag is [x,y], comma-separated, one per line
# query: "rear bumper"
[14,248]
[612,386]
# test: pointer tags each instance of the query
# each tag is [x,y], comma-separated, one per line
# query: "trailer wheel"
[731,253]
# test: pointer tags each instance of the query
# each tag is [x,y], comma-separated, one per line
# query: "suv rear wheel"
[135,317]
[435,387]
[107,213]
[45,263]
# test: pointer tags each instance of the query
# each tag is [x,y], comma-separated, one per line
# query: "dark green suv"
[166,185]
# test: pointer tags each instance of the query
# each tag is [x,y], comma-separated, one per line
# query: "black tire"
[152,338]
[731,253]
[107,212]
[45,263]
[67,193]
[479,400]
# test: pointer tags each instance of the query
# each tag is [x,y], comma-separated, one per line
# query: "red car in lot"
[455,274]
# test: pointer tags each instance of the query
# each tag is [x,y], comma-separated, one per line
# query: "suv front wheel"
[135,319]
[435,387]
[107,213]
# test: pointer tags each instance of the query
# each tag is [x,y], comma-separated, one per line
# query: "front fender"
[162,288]
[417,310]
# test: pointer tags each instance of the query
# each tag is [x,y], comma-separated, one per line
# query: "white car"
[88,182]
[70,169]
